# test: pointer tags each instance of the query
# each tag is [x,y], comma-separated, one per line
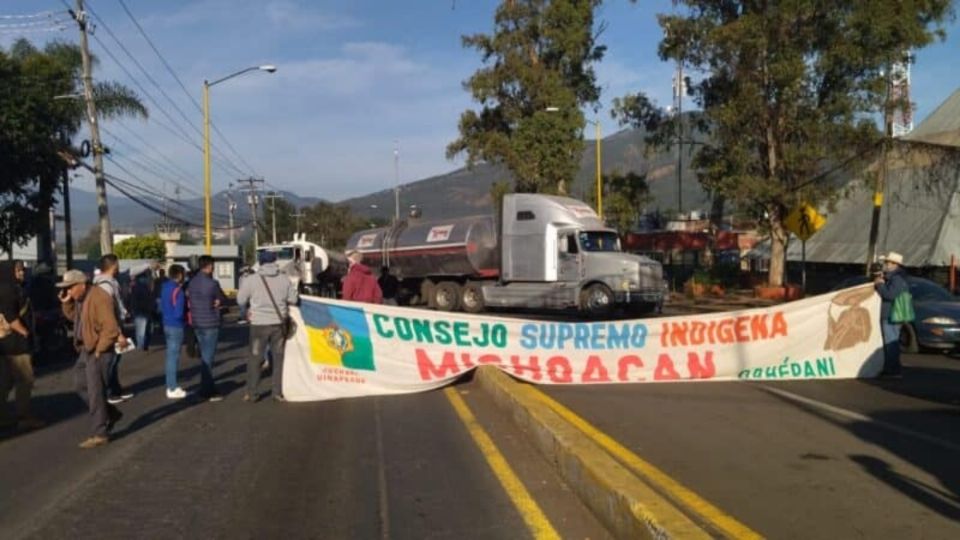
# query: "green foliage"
[624,198]
[141,247]
[331,225]
[89,244]
[286,222]
[540,55]
[35,127]
[789,88]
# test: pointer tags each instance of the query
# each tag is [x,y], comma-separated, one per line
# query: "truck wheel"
[446,296]
[597,300]
[472,298]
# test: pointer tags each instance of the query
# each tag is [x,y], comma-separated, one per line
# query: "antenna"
[900,96]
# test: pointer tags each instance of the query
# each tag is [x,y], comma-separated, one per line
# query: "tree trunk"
[778,246]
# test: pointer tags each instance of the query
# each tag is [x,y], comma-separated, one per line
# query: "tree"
[34,127]
[286,222]
[90,244]
[141,247]
[624,198]
[331,225]
[538,58]
[789,89]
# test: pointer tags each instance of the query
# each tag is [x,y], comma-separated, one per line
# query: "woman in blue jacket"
[173,306]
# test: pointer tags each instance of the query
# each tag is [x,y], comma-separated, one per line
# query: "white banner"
[347,349]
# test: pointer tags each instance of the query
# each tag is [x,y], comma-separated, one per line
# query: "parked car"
[937,325]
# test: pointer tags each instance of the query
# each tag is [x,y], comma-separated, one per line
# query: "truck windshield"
[599,241]
[283,253]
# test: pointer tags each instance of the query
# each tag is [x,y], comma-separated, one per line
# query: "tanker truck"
[542,252]
[315,270]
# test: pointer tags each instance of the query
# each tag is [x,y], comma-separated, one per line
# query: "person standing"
[206,297]
[269,294]
[16,363]
[360,285]
[106,280]
[173,306]
[889,284]
[389,286]
[96,334]
[144,304]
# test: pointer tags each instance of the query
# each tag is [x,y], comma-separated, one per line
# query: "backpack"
[902,309]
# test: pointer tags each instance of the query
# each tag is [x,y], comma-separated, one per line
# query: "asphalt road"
[393,467]
[806,459]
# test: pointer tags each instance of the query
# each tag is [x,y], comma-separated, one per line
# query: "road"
[392,467]
[810,459]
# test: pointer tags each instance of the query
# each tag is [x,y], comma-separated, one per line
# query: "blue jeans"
[891,347]
[207,339]
[141,324]
[174,337]
[114,389]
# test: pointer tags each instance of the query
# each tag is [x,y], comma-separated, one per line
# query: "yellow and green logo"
[339,336]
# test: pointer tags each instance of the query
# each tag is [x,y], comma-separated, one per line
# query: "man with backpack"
[269,294]
[107,281]
[891,284]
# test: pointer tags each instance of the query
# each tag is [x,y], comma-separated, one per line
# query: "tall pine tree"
[789,89]
[537,74]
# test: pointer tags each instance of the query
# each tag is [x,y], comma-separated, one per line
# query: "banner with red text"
[347,349]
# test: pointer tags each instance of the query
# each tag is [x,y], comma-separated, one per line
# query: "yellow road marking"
[720,520]
[534,517]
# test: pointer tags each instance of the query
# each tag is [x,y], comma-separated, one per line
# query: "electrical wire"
[183,87]
[153,81]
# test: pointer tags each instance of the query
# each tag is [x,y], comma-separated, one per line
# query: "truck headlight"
[944,321]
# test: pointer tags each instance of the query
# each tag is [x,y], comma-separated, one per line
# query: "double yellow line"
[533,516]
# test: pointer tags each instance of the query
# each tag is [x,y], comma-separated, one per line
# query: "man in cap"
[360,285]
[269,294]
[890,283]
[96,330]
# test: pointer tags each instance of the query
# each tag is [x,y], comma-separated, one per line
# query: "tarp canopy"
[921,205]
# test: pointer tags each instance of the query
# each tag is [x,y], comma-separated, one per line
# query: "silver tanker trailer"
[315,270]
[549,252]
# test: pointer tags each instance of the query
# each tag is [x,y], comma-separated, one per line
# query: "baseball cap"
[71,278]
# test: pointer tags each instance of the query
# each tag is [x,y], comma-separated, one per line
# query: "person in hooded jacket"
[264,294]
[360,285]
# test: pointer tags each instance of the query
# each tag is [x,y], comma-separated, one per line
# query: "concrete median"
[625,504]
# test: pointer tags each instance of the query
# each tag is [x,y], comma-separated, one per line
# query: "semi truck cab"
[313,269]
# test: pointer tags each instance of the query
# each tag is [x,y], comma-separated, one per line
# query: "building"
[227,261]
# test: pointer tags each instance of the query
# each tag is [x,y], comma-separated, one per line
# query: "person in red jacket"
[360,285]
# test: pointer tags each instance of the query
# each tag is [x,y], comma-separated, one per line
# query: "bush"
[141,247]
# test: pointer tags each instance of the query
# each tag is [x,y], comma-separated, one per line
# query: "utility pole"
[679,89]
[273,196]
[231,208]
[396,176]
[297,217]
[106,236]
[67,221]
[881,179]
[253,199]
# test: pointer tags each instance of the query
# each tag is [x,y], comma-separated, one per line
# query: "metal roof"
[942,126]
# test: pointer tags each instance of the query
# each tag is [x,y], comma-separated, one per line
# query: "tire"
[908,339]
[471,298]
[446,296]
[597,300]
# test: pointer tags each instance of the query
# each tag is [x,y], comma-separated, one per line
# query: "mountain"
[129,215]
[466,191]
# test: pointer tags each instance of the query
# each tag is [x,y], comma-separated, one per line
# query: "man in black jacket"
[16,367]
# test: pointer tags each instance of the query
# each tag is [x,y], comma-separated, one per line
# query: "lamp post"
[596,125]
[206,146]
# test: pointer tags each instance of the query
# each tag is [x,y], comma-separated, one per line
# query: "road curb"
[626,505]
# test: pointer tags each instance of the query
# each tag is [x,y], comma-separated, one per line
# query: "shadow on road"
[925,438]
[934,384]
[52,409]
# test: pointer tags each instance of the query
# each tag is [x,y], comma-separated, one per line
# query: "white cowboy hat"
[893,257]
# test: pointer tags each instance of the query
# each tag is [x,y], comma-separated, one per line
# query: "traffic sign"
[804,221]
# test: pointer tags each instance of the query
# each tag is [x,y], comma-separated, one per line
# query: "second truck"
[541,252]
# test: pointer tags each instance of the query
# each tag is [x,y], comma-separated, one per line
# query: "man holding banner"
[890,284]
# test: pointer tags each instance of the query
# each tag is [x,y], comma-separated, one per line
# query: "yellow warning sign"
[804,221]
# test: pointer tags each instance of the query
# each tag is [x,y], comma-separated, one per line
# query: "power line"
[170,161]
[183,87]
[153,81]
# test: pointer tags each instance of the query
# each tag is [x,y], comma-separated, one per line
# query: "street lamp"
[269,68]
[596,124]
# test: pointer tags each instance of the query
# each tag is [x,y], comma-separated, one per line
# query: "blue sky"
[353,77]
